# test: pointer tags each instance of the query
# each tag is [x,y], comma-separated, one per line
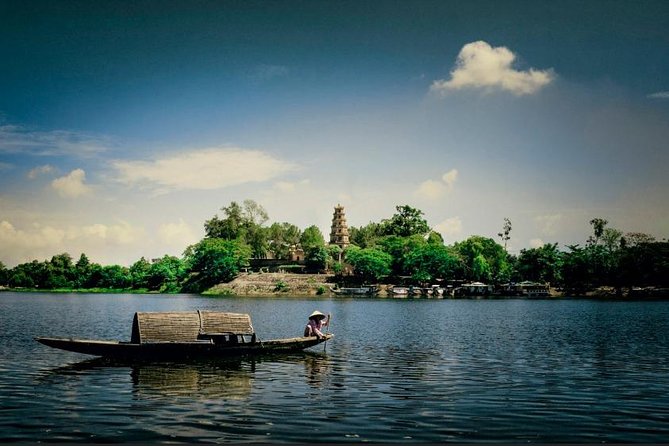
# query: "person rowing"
[317,321]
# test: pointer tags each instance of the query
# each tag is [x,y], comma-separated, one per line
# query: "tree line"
[400,248]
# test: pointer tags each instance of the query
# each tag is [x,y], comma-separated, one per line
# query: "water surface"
[398,371]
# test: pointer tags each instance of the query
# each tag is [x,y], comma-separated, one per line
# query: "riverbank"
[304,285]
[263,284]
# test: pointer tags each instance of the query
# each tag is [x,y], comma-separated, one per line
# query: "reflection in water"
[317,368]
[424,372]
[226,381]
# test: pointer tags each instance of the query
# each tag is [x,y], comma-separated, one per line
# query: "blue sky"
[124,125]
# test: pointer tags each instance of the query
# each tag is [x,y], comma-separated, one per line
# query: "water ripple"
[423,371]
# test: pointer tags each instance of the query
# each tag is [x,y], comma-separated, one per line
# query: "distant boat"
[356,291]
[437,292]
[185,335]
[399,291]
[474,289]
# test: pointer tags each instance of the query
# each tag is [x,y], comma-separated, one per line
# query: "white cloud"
[450,177]
[204,169]
[43,241]
[431,189]
[17,139]
[72,185]
[290,186]
[536,243]
[39,170]
[548,224]
[434,189]
[659,95]
[449,227]
[178,234]
[481,66]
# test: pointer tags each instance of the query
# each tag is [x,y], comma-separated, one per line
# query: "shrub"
[281,286]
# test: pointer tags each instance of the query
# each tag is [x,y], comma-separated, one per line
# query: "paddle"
[327,332]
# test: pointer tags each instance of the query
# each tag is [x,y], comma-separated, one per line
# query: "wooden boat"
[398,291]
[185,335]
[356,291]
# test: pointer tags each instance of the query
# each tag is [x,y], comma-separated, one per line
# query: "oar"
[327,332]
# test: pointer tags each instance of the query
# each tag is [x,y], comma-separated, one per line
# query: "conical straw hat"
[317,314]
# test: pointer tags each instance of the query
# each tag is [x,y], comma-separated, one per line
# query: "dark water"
[398,371]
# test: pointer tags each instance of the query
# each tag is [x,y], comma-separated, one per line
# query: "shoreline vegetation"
[305,285]
[242,255]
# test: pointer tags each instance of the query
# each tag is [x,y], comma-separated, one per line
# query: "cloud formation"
[43,241]
[659,95]
[479,65]
[449,227]
[434,189]
[17,139]
[177,234]
[450,177]
[72,185]
[291,186]
[204,169]
[39,170]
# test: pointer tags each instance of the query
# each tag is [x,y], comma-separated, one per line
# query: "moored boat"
[399,291]
[185,335]
[356,291]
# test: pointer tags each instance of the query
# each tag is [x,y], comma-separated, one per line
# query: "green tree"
[20,278]
[229,228]
[485,260]
[115,277]
[316,258]
[241,223]
[335,254]
[543,264]
[435,238]
[213,261]
[365,236]
[598,225]
[399,248]
[139,272]
[431,261]
[406,222]
[81,271]
[312,237]
[95,277]
[577,269]
[165,274]
[60,272]
[506,231]
[4,274]
[31,275]
[281,237]
[369,264]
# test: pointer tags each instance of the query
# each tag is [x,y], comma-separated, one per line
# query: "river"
[398,370]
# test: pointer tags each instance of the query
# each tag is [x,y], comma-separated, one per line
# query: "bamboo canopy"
[187,326]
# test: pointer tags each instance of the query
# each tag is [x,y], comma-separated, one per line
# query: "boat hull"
[176,351]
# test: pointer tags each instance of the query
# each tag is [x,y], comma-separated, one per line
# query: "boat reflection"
[317,368]
[225,379]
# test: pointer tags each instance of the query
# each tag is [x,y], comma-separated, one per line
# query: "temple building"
[339,231]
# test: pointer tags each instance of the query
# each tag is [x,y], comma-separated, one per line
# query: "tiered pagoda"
[339,231]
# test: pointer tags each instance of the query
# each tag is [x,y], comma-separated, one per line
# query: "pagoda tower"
[339,231]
